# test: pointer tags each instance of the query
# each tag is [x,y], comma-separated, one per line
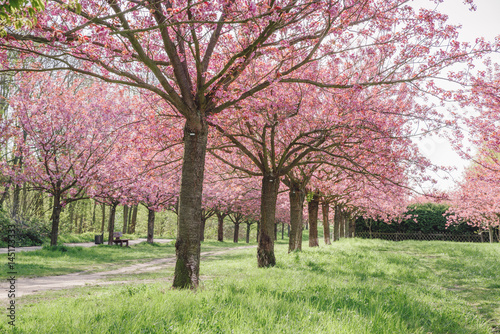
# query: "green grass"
[353,286]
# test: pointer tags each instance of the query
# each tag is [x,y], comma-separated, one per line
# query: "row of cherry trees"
[477,198]
[289,92]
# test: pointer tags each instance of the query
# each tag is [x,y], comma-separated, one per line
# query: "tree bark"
[352,227]
[248,233]
[297,197]
[336,223]
[202,229]
[220,225]
[490,232]
[15,202]
[56,214]
[187,267]
[346,225]
[269,196]
[341,224]
[151,225]
[125,218]
[313,208]
[236,232]
[111,222]
[133,221]
[325,208]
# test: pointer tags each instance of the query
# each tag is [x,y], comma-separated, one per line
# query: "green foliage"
[19,13]
[429,219]
[29,231]
[353,286]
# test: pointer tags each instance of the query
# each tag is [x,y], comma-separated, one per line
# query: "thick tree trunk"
[125,218]
[297,197]
[56,214]
[133,221]
[313,208]
[103,206]
[111,223]
[187,246]
[269,196]
[220,226]
[236,232]
[151,225]
[336,223]
[325,208]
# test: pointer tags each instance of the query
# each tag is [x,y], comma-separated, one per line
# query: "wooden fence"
[484,237]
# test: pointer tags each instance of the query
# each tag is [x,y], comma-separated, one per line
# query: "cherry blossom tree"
[205,57]
[66,130]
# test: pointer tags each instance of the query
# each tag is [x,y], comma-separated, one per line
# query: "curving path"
[28,286]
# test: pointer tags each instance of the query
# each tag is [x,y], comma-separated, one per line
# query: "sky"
[484,22]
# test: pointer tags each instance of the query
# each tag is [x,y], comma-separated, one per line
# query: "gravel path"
[27,286]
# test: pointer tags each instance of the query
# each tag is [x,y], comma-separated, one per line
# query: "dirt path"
[28,286]
[80,244]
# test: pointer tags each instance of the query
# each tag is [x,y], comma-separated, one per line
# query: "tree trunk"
[56,214]
[276,231]
[346,225]
[341,224]
[220,226]
[336,223]
[103,206]
[187,245]
[24,201]
[111,223]
[313,208]
[151,225]
[282,231]
[248,233]
[236,232]
[352,227]
[202,229]
[125,219]
[133,221]
[325,208]
[15,202]
[269,196]
[297,197]
[490,233]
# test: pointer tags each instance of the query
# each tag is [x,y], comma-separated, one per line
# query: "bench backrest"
[117,235]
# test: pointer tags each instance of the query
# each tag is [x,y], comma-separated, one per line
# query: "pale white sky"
[484,22]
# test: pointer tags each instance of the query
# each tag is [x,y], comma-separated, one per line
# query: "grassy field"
[353,286]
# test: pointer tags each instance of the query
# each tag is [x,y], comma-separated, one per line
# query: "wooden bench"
[117,239]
